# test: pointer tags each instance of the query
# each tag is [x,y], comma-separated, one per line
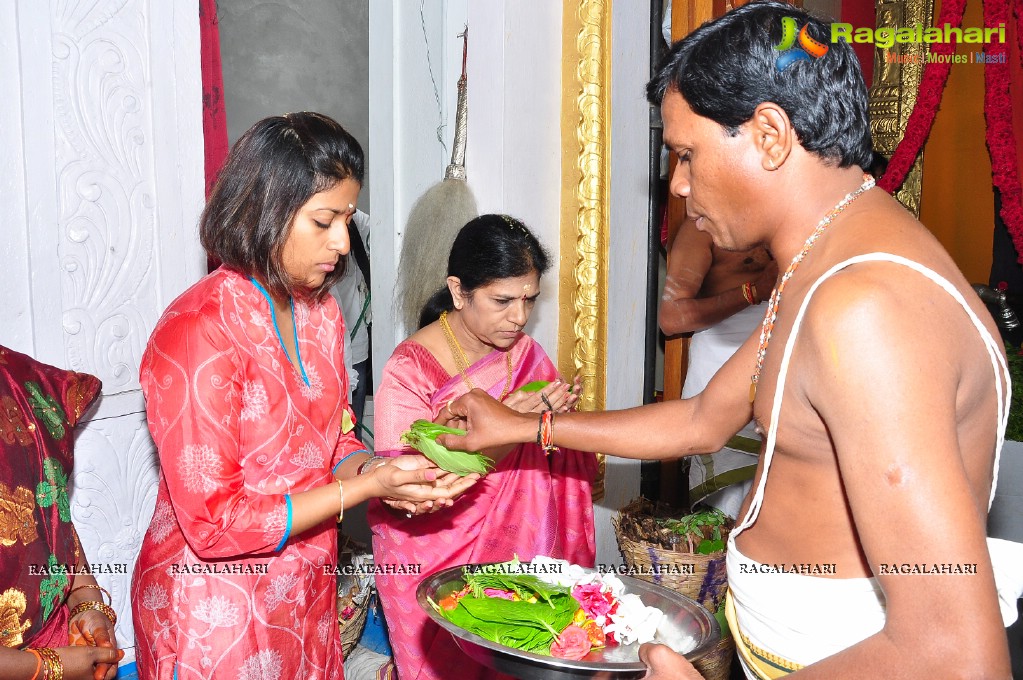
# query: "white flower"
[163,521]
[323,626]
[633,621]
[314,390]
[274,524]
[199,468]
[263,665]
[155,597]
[558,572]
[255,403]
[278,590]
[217,611]
[309,456]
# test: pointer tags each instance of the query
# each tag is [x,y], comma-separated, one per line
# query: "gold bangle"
[105,610]
[96,587]
[341,493]
[53,668]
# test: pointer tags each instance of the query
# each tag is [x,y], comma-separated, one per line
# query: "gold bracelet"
[341,492]
[53,668]
[97,587]
[105,610]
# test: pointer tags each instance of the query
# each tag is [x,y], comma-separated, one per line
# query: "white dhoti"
[721,479]
[782,621]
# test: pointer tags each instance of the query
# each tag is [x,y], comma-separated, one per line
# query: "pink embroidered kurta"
[221,589]
[530,504]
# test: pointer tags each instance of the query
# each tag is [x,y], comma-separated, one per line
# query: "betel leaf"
[534,386]
[505,576]
[422,436]
[708,546]
[525,625]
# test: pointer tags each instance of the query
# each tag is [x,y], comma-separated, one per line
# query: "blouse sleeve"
[404,396]
[191,377]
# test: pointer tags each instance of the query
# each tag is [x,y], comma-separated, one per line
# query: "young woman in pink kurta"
[246,398]
[532,503]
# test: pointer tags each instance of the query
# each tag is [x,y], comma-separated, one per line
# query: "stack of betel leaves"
[422,436]
[548,607]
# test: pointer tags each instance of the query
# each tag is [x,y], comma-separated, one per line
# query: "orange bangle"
[39,662]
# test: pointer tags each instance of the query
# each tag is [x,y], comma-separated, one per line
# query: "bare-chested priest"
[720,297]
[862,550]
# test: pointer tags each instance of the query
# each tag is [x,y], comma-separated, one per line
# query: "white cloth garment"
[709,349]
[806,618]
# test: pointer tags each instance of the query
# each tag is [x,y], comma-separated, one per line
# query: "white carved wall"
[101,185]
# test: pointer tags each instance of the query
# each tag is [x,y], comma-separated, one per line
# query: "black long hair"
[487,248]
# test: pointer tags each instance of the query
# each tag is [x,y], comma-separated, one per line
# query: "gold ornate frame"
[585,133]
[893,92]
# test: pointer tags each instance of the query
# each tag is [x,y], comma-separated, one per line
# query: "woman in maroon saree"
[52,612]
[532,503]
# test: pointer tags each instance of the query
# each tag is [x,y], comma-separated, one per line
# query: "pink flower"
[593,600]
[573,643]
[503,594]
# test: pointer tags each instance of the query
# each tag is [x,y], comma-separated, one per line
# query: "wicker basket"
[354,605]
[699,577]
[354,592]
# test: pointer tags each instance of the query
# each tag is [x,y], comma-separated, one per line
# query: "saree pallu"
[39,548]
[531,504]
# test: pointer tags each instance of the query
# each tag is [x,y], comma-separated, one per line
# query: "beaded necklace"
[767,327]
[462,361]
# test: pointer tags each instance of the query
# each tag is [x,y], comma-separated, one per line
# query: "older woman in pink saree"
[532,503]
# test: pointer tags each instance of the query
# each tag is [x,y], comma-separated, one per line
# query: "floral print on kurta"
[221,589]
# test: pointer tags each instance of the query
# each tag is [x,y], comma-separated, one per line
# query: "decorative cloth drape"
[1000,137]
[214,120]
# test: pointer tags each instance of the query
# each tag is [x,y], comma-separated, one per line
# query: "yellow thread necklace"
[462,361]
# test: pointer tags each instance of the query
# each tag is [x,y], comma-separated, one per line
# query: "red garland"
[932,85]
[1001,140]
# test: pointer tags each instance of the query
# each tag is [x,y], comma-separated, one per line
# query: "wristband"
[341,493]
[747,293]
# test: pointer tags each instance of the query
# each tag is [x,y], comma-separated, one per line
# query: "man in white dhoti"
[720,297]
[865,555]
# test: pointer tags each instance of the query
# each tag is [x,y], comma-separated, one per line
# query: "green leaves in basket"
[691,528]
[534,386]
[422,436]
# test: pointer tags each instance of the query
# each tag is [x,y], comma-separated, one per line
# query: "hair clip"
[515,224]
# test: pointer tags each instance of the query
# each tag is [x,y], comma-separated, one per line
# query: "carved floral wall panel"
[114,492]
[105,200]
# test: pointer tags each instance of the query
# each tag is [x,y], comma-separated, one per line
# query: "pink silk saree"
[531,504]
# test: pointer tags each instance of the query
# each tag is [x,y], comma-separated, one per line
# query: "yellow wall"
[957,202]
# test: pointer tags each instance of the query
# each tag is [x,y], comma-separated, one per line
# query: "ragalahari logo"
[808,49]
